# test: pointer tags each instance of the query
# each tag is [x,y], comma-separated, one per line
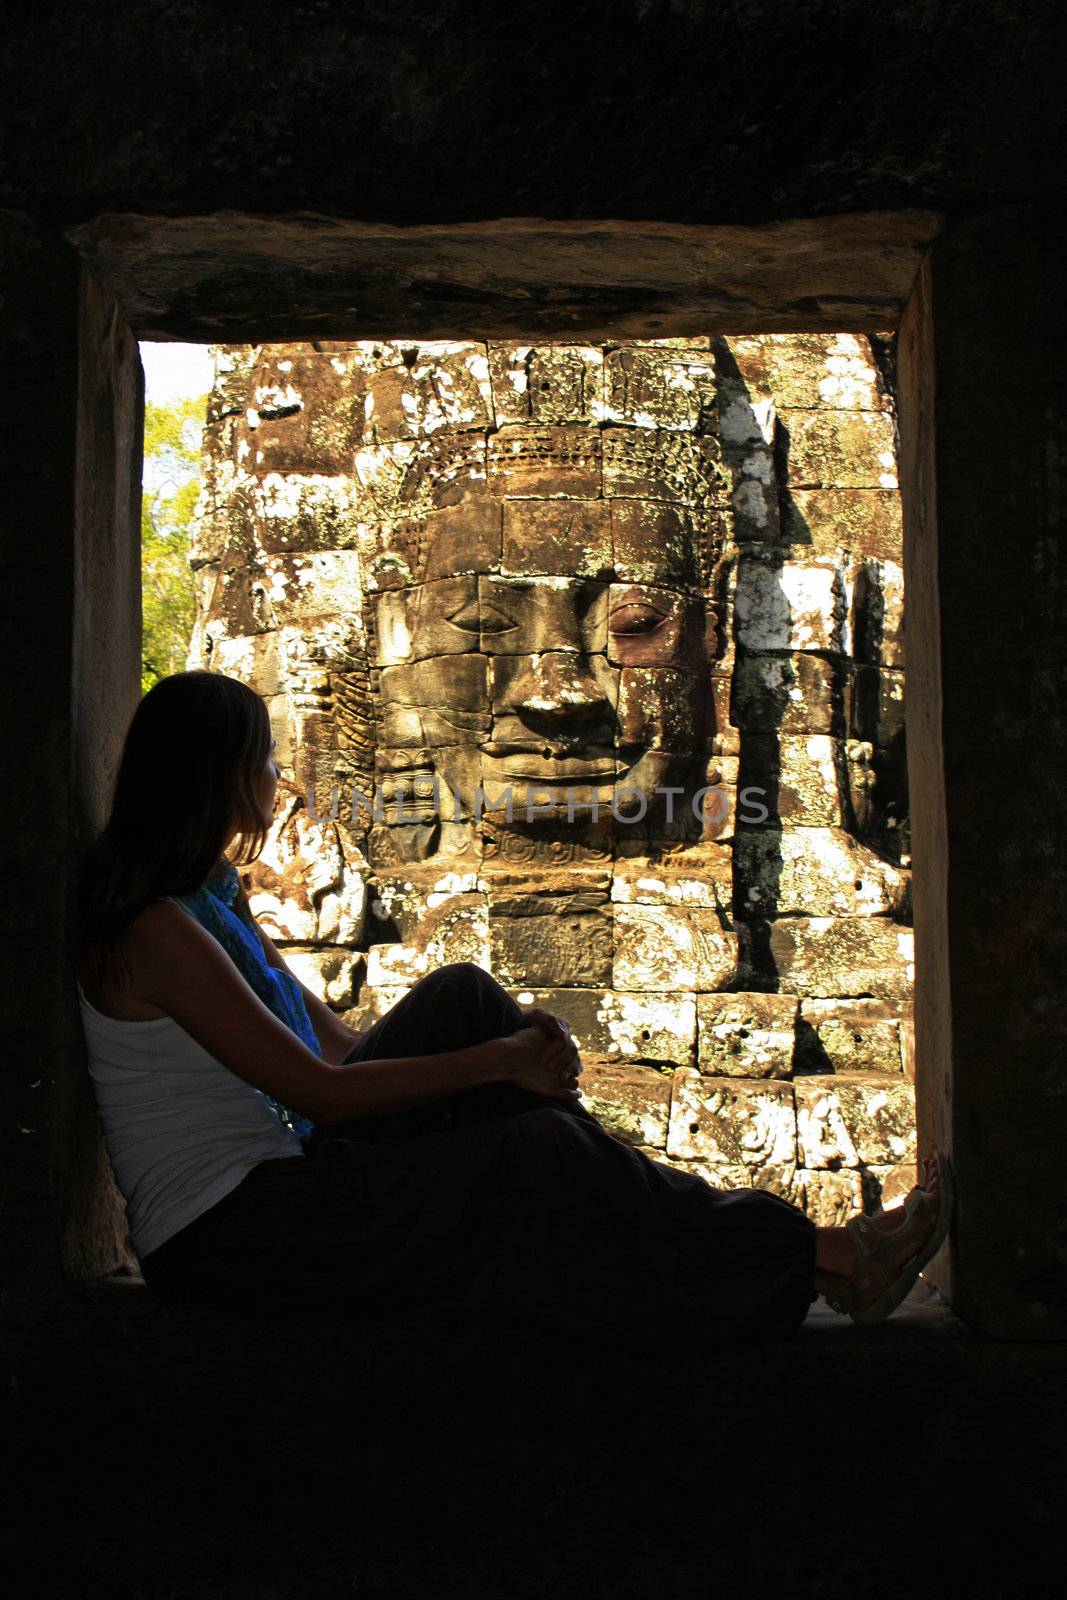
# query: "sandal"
[878,1284]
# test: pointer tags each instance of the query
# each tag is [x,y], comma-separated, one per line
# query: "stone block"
[309,513]
[682,468]
[256,659]
[331,974]
[410,478]
[404,729]
[830,1199]
[814,872]
[404,899]
[463,538]
[841,449]
[847,1036]
[660,948]
[754,495]
[434,384]
[392,552]
[803,777]
[700,875]
[568,537]
[865,523]
[542,463]
[790,606]
[746,411]
[720,800]
[843,956]
[409,844]
[732,1122]
[302,411]
[726,736]
[323,583]
[807,370]
[440,618]
[235,366]
[561,896]
[632,1102]
[659,708]
[907,1047]
[441,792]
[227,603]
[278,710]
[308,884]
[878,614]
[886,1186]
[651,1027]
[855,1121]
[390,965]
[661,389]
[746,1035]
[526,854]
[456,928]
[657,543]
[549,383]
[372,1004]
[456,688]
[794,694]
[878,706]
[553,947]
[616,1026]
[225,527]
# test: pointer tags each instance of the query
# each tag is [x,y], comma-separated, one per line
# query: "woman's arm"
[178,967]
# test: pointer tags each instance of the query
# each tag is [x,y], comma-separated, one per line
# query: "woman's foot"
[837,1257]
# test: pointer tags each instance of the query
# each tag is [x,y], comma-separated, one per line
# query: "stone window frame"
[236,279]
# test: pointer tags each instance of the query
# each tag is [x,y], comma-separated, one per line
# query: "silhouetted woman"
[269,1155]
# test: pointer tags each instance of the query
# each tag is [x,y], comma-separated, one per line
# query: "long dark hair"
[193,758]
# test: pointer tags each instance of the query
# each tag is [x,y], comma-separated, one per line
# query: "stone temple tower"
[585,663]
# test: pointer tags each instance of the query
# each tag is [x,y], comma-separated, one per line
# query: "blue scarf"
[212,906]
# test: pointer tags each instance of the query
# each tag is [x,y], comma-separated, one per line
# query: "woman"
[270,1155]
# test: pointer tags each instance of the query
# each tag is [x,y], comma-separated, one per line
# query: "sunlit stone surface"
[585,664]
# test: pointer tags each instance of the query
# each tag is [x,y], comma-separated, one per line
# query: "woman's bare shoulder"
[160,927]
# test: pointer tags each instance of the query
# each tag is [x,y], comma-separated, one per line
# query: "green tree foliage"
[172,437]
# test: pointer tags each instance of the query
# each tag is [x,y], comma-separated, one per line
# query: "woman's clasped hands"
[543,1056]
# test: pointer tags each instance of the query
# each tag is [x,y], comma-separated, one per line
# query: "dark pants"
[495,1203]
[454,1007]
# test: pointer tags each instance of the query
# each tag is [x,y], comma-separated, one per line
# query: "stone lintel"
[233,277]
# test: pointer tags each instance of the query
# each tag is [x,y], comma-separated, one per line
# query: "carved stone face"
[558,691]
[484,567]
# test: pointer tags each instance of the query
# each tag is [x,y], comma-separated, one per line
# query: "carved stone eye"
[494,621]
[468,617]
[636,617]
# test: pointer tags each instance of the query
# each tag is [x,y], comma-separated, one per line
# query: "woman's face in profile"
[268,788]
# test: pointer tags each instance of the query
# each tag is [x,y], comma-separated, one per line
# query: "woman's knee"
[467,974]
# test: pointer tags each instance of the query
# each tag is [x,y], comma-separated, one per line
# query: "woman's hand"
[546,1064]
[555,1027]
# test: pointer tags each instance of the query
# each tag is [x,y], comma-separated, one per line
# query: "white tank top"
[180,1128]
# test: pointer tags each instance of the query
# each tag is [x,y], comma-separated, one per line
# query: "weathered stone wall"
[665,574]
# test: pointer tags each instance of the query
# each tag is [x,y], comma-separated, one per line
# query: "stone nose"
[566,693]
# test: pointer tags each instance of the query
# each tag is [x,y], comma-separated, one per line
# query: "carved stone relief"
[586,663]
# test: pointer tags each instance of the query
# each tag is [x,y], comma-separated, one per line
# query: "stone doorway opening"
[644,598]
[237,279]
